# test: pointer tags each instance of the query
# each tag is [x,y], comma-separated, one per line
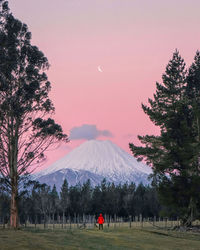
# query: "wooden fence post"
[136,219]
[84,221]
[94,221]
[77,220]
[70,223]
[35,220]
[115,218]
[130,221]
[63,219]
[141,221]
[177,221]
[154,220]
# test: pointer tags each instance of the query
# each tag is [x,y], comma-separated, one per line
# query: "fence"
[90,222]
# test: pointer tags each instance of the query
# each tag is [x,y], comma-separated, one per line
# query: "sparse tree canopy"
[174,154]
[26,126]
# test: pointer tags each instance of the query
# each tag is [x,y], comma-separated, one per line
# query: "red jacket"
[100,219]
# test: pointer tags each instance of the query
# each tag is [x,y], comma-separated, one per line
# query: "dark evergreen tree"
[103,188]
[4,207]
[86,194]
[111,199]
[38,202]
[53,202]
[96,201]
[75,200]
[173,154]
[128,198]
[139,200]
[64,198]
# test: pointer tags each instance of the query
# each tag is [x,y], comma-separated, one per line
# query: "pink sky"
[132,41]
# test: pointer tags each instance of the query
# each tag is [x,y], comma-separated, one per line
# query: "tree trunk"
[35,220]
[191,211]
[63,219]
[53,220]
[3,222]
[14,217]
[44,220]
[58,218]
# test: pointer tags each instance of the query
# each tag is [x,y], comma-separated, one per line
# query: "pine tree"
[97,206]
[193,90]
[75,199]
[86,195]
[53,202]
[173,154]
[64,198]
[26,127]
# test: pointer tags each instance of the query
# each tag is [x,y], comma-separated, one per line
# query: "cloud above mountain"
[88,132]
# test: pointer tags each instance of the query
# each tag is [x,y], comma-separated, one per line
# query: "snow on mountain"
[99,157]
[102,159]
[73,177]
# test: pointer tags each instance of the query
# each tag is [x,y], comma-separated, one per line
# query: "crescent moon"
[99,69]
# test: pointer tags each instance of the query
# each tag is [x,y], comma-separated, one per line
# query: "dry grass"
[109,238]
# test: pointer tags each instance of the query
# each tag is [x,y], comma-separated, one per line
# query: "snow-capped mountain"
[96,160]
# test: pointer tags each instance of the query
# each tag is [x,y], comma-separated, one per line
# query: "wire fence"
[90,222]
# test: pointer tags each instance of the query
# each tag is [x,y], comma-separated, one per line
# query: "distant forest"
[39,203]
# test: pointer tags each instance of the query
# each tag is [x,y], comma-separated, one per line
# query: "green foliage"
[26,127]
[174,154]
[4,206]
[38,201]
[54,200]
[64,196]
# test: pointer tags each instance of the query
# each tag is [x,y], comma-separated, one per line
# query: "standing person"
[100,221]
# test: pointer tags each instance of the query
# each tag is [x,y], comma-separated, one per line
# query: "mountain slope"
[73,177]
[102,159]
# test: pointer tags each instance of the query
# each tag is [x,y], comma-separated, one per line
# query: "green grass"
[119,238]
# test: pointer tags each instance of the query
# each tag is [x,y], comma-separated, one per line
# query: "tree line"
[38,203]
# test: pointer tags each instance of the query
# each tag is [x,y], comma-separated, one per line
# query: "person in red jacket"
[100,221]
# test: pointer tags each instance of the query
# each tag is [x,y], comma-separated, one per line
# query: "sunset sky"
[130,40]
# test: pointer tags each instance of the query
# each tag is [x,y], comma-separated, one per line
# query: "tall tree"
[86,194]
[26,127]
[4,206]
[173,154]
[75,199]
[193,90]
[53,202]
[64,199]
[41,197]
[96,201]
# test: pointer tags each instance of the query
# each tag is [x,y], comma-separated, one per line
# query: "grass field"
[109,238]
